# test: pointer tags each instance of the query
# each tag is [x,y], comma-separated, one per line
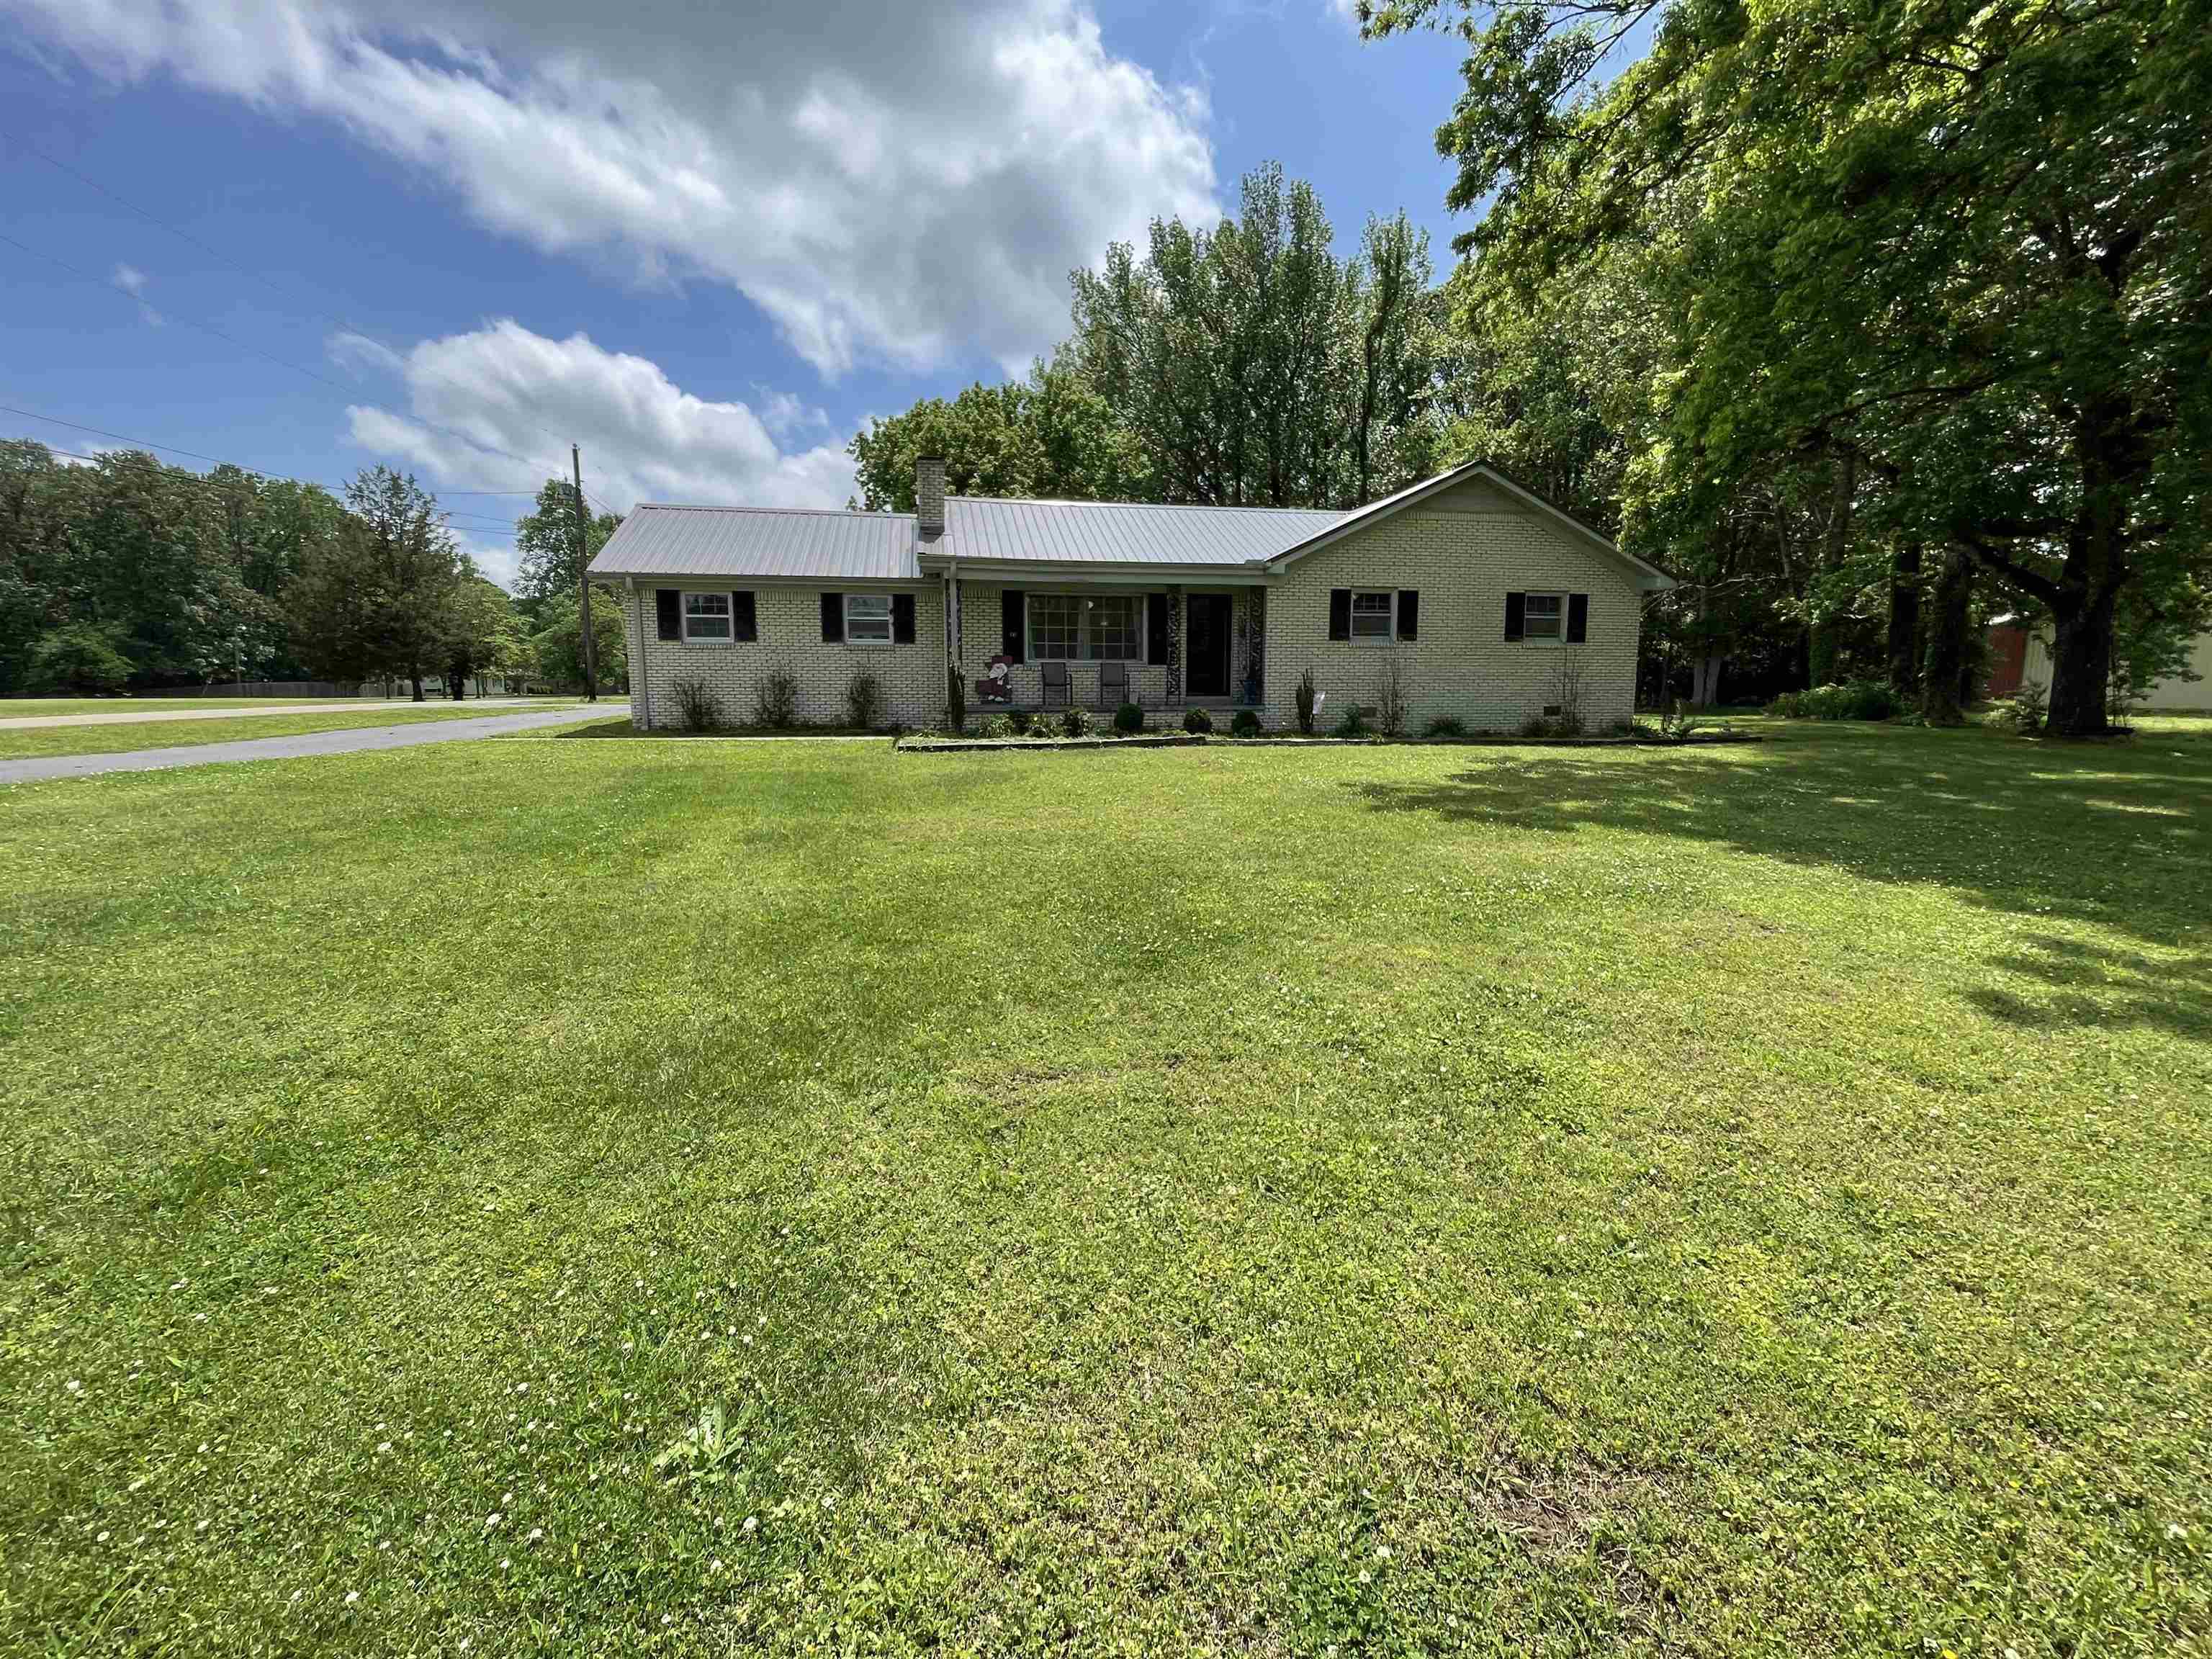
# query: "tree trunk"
[2081,669]
[415,679]
[1905,620]
[1950,616]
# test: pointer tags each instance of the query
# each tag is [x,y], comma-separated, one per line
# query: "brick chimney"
[929,495]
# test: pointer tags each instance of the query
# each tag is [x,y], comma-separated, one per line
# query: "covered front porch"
[1042,646]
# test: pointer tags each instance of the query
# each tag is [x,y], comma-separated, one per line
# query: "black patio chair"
[1114,684]
[1054,682]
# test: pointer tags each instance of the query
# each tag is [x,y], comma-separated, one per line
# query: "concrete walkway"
[358,706]
[350,741]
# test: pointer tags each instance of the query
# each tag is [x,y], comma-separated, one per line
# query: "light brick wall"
[1462,564]
[790,626]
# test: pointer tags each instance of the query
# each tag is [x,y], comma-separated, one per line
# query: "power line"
[183,234]
[345,392]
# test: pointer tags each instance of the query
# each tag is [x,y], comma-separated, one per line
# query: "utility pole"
[583,585]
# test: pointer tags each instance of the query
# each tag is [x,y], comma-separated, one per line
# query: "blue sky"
[706,248]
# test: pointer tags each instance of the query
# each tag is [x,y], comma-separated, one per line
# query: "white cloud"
[897,181]
[130,278]
[783,414]
[482,408]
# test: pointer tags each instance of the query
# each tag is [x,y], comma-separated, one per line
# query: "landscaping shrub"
[77,659]
[775,701]
[863,700]
[1001,726]
[1445,726]
[1197,720]
[2024,713]
[1075,723]
[1354,723]
[1307,692]
[1018,721]
[1390,697]
[1245,723]
[698,707]
[1854,700]
[1129,719]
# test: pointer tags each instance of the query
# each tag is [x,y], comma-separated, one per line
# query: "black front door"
[1207,671]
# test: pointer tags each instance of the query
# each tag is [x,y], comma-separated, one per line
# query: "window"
[706,616]
[1113,630]
[1055,627]
[868,618]
[1370,616]
[1541,620]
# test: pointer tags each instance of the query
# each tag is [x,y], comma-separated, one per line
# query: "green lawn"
[1751,1200]
[24,743]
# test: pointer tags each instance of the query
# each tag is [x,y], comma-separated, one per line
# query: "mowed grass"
[29,743]
[1749,1200]
[28,707]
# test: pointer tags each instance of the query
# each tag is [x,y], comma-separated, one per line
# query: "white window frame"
[1390,596]
[1529,619]
[885,616]
[727,616]
[1081,601]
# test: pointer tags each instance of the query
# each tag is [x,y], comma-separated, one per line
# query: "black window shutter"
[744,621]
[1155,627]
[1577,618]
[903,618]
[1409,614]
[1516,615]
[832,618]
[1009,623]
[668,603]
[1340,613]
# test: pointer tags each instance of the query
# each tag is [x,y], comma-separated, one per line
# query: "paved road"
[143,715]
[347,742]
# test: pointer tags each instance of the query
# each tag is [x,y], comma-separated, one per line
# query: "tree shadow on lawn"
[2091,985]
[2112,834]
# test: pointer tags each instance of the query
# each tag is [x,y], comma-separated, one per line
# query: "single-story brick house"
[1489,603]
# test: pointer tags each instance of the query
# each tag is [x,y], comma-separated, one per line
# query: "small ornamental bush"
[1856,700]
[1354,723]
[1445,726]
[1307,694]
[1018,721]
[698,707]
[1197,720]
[864,702]
[775,699]
[999,726]
[1075,723]
[1245,724]
[1129,719]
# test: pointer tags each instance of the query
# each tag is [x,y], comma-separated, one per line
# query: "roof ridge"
[814,511]
[1189,506]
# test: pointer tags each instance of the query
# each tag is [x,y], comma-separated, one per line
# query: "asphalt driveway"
[350,741]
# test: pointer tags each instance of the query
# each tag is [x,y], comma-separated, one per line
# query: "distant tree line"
[123,573]
[1867,328]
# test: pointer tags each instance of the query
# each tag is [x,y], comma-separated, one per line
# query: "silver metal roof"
[757,541]
[1122,532]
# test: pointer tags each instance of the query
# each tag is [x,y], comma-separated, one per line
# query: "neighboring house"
[2020,656]
[1493,607]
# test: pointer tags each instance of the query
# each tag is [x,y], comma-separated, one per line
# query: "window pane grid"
[1370,616]
[1112,630]
[706,616]
[1054,628]
[1541,616]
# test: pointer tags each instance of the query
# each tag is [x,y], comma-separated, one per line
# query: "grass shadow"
[2109,834]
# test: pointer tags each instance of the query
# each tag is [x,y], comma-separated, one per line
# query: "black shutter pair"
[1516,616]
[668,613]
[1340,613]
[1010,624]
[1155,628]
[832,618]
[902,619]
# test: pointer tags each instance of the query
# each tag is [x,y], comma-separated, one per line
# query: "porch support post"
[1174,645]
